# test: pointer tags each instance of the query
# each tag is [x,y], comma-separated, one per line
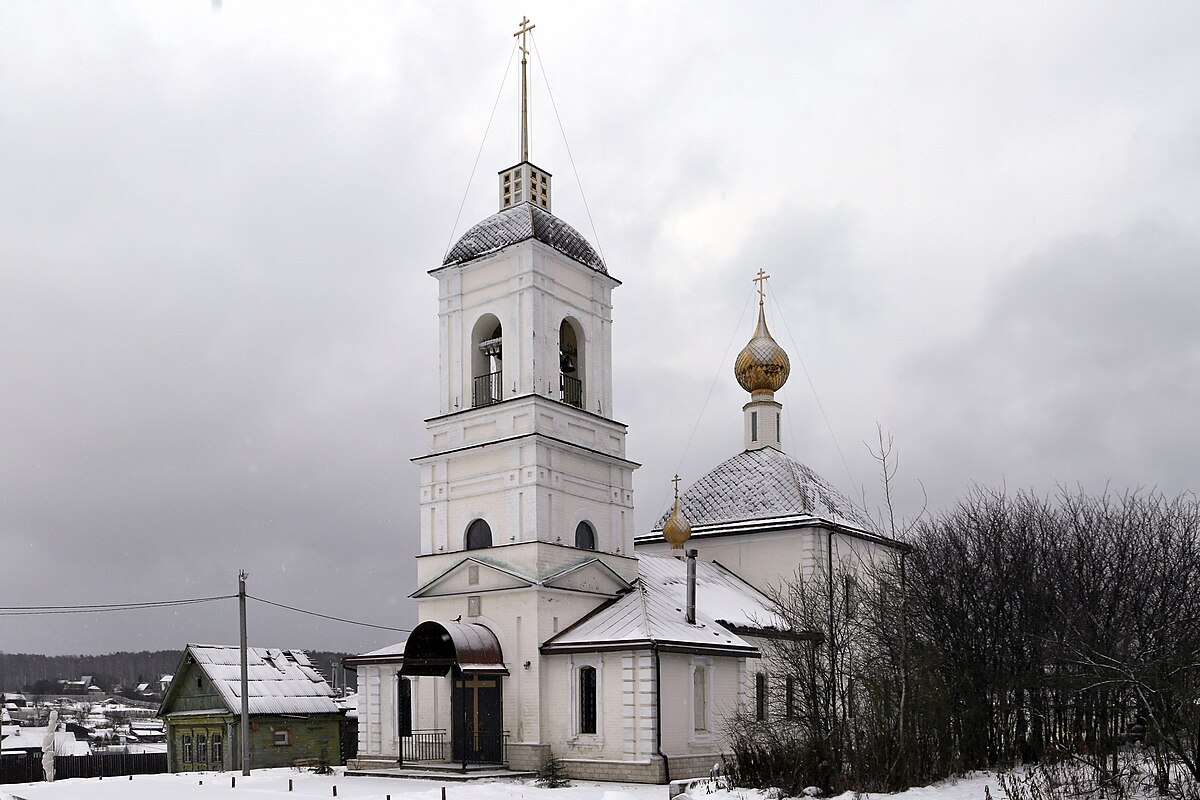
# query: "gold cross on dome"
[675,481]
[525,28]
[761,280]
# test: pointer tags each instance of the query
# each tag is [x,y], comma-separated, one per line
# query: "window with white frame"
[283,737]
[701,696]
[587,687]
[760,696]
[587,699]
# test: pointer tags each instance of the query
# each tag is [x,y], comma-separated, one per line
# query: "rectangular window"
[754,426]
[202,749]
[700,699]
[760,696]
[186,741]
[473,606]
[405,709]
[587,699]
[789,700]
[283,737]
[218,750]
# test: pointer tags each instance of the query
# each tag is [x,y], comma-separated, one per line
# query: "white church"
[547,623]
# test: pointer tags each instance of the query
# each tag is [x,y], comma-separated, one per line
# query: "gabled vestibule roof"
[280,681]
[652,615]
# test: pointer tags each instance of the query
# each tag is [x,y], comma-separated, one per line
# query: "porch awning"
[433,648]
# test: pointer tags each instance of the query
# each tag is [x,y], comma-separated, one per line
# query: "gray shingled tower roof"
[763,484]
[516,224]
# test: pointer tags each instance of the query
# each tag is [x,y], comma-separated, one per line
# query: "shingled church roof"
[764,484]
[516,224]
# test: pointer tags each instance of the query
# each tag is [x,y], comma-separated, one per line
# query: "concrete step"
[446,772]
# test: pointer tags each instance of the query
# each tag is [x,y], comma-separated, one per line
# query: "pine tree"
[553,774]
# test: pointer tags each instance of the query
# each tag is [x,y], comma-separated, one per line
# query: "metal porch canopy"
[434,648]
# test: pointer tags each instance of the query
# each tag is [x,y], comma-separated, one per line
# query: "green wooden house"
[293,716]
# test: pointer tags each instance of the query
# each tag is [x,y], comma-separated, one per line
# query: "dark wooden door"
[476,711]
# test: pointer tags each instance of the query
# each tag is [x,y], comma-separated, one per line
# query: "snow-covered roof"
[65,743]
[653,613]
[280,681]
[391,650]
[523,221]
[763,484]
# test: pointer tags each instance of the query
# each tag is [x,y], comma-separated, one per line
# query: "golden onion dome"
[677,529]
[762,366]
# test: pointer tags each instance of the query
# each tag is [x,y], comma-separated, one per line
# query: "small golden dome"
[762,366]
[677,529]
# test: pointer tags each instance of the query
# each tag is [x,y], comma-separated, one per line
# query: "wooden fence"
[28,769]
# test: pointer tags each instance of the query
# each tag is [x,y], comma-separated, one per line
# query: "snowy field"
[273,783]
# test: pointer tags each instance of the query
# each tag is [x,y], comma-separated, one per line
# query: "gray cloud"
[219,341]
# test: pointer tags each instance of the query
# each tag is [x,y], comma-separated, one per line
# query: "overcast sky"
[218,337]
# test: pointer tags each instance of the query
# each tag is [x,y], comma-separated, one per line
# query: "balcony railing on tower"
[571,391]
[486,390]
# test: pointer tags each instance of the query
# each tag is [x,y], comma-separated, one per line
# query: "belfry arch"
[487,361]
[571,361]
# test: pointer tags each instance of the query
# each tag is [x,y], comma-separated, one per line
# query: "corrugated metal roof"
[516,224]
[762,484]
[280,681]
[653,613]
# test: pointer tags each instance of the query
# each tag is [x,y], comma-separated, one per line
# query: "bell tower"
[525,444]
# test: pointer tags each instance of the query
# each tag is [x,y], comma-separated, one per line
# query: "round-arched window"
[479,535]
[585,537]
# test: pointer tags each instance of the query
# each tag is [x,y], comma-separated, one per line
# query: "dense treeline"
[1017,629]
[40,674]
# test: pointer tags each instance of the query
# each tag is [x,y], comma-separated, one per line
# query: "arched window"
[479,535]
[487,358]
[585,537]
[587,699]
[570,362]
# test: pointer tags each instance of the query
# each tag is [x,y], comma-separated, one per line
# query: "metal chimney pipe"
[691,587]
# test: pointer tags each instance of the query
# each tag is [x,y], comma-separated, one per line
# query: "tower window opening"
[570,360]
[479,535]
[754,426]
[585,536]
[487,361]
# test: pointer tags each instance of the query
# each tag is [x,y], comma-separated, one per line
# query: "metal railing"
[571,390]
[486,390]
[428,745]
[485,747]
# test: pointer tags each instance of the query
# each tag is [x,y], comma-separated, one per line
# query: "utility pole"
[245,737]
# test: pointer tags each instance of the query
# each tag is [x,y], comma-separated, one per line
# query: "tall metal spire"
[524,183]
[525,28]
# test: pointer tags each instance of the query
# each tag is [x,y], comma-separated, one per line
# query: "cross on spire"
[525,27]
[761,280]
[675,481]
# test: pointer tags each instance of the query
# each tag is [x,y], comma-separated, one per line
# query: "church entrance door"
[477,719]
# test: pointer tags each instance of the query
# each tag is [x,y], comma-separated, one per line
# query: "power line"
[327,616]
[97,608]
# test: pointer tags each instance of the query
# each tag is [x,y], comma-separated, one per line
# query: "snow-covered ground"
[273,783]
